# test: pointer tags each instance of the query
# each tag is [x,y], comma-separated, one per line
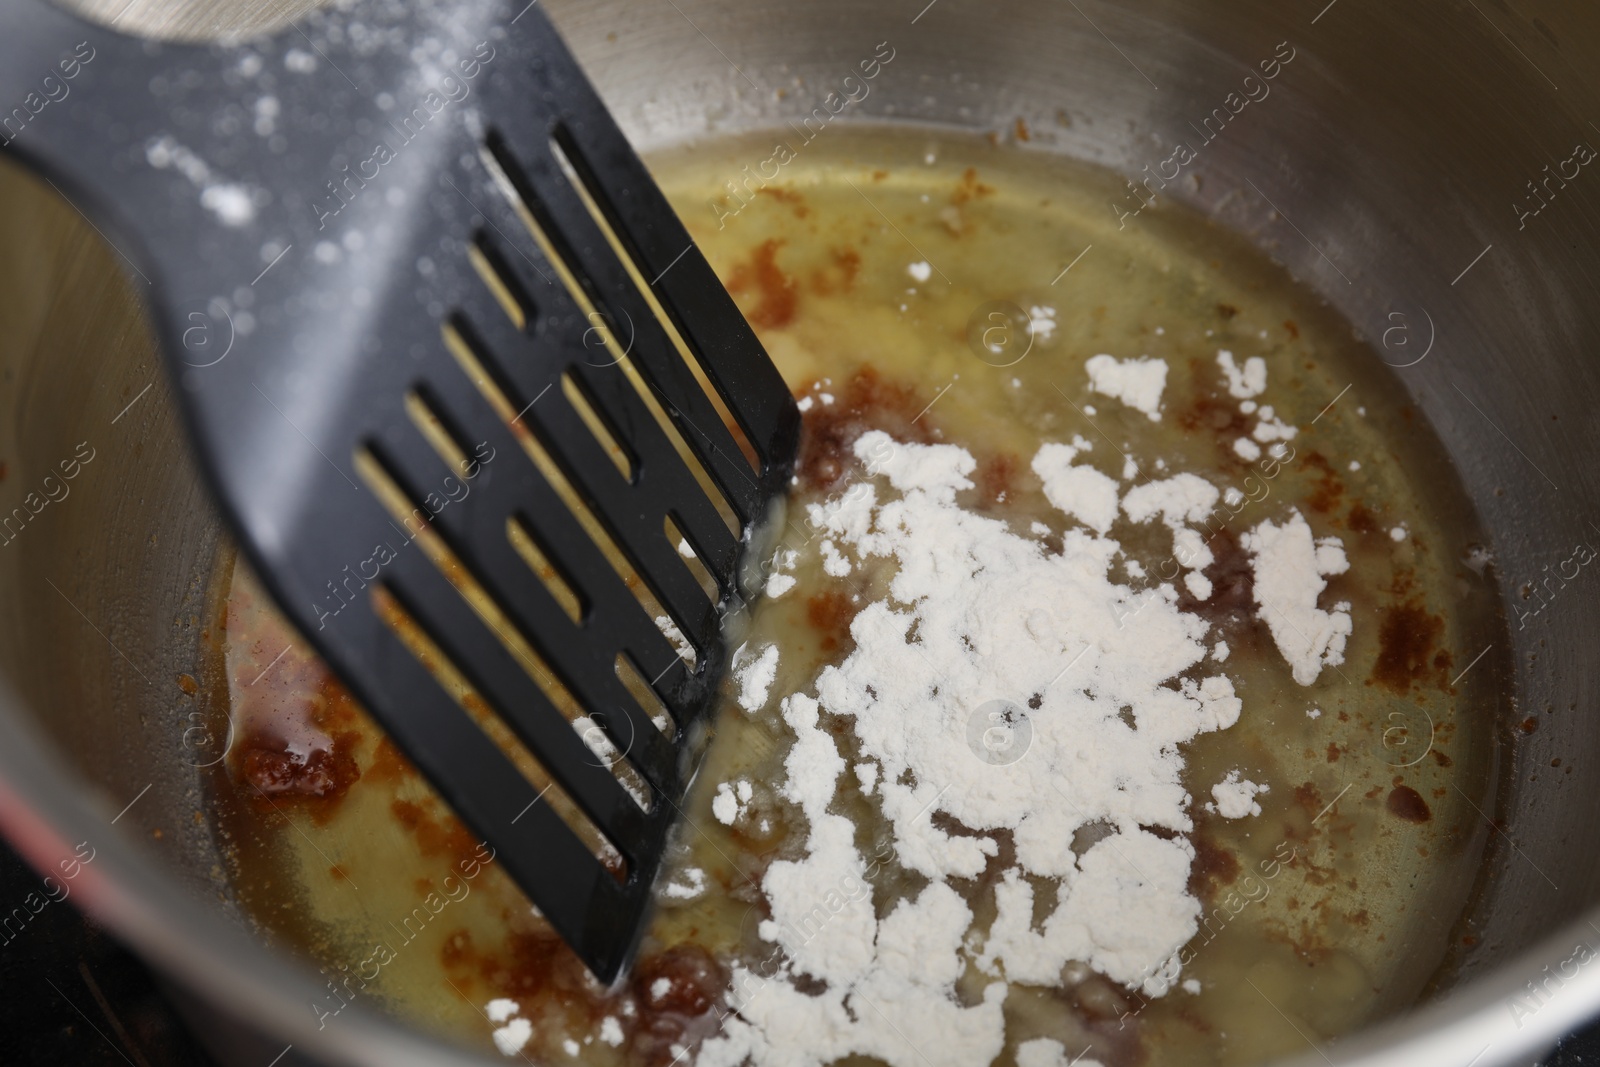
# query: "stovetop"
[71,994]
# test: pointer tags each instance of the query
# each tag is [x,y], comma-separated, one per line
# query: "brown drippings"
[324,774]
[1208,412]
[1361,520]
[678,1014]
[995,476]
[1213,866]
[527,967]
[838,276]
[298,726]
[436,835]
[1309,943]
[776,294]
[830,612]
[1309,798]
[1326,498]
[969,187]
[694,981]
[187,683]
[792,197]
[865,402]
[1406,640]
[1231,607]
[388,764]
[1406,803]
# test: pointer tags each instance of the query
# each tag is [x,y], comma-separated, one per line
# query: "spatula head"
[428,315]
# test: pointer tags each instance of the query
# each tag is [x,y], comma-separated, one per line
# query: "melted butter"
[1330,908]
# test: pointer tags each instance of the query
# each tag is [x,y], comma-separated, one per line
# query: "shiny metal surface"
[1388,168]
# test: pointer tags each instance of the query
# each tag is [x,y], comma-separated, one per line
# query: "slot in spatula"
[427,315]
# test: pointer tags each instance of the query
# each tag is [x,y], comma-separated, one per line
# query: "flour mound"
[1138,383]
[1105,684]
[1289,570]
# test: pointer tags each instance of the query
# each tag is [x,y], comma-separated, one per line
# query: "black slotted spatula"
[419,297]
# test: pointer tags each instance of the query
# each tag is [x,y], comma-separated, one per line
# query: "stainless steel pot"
[1389,169]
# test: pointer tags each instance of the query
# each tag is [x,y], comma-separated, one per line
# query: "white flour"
[755,673]
[1081,492]
[1243,382]
[995,616]
[1289,570]
[731,800]
[687,885]
[1138,383]
[1235,797]
[680,643]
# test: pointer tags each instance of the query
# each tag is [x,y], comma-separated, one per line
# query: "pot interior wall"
[109,540]
[1381,170]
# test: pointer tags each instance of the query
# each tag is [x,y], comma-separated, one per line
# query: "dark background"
[70,994]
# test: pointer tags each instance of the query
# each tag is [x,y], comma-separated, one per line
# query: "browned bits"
[436,835]
[793,198]
[969,187]
[829,613]
[995,476]
[776,294]
[839,274]
[683,980]
[388,764]
[1206,412]
[1213,865]
[1231,606]
[1327,496]
[1406,640]
[865,402]
[326,774]
[1406,803]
